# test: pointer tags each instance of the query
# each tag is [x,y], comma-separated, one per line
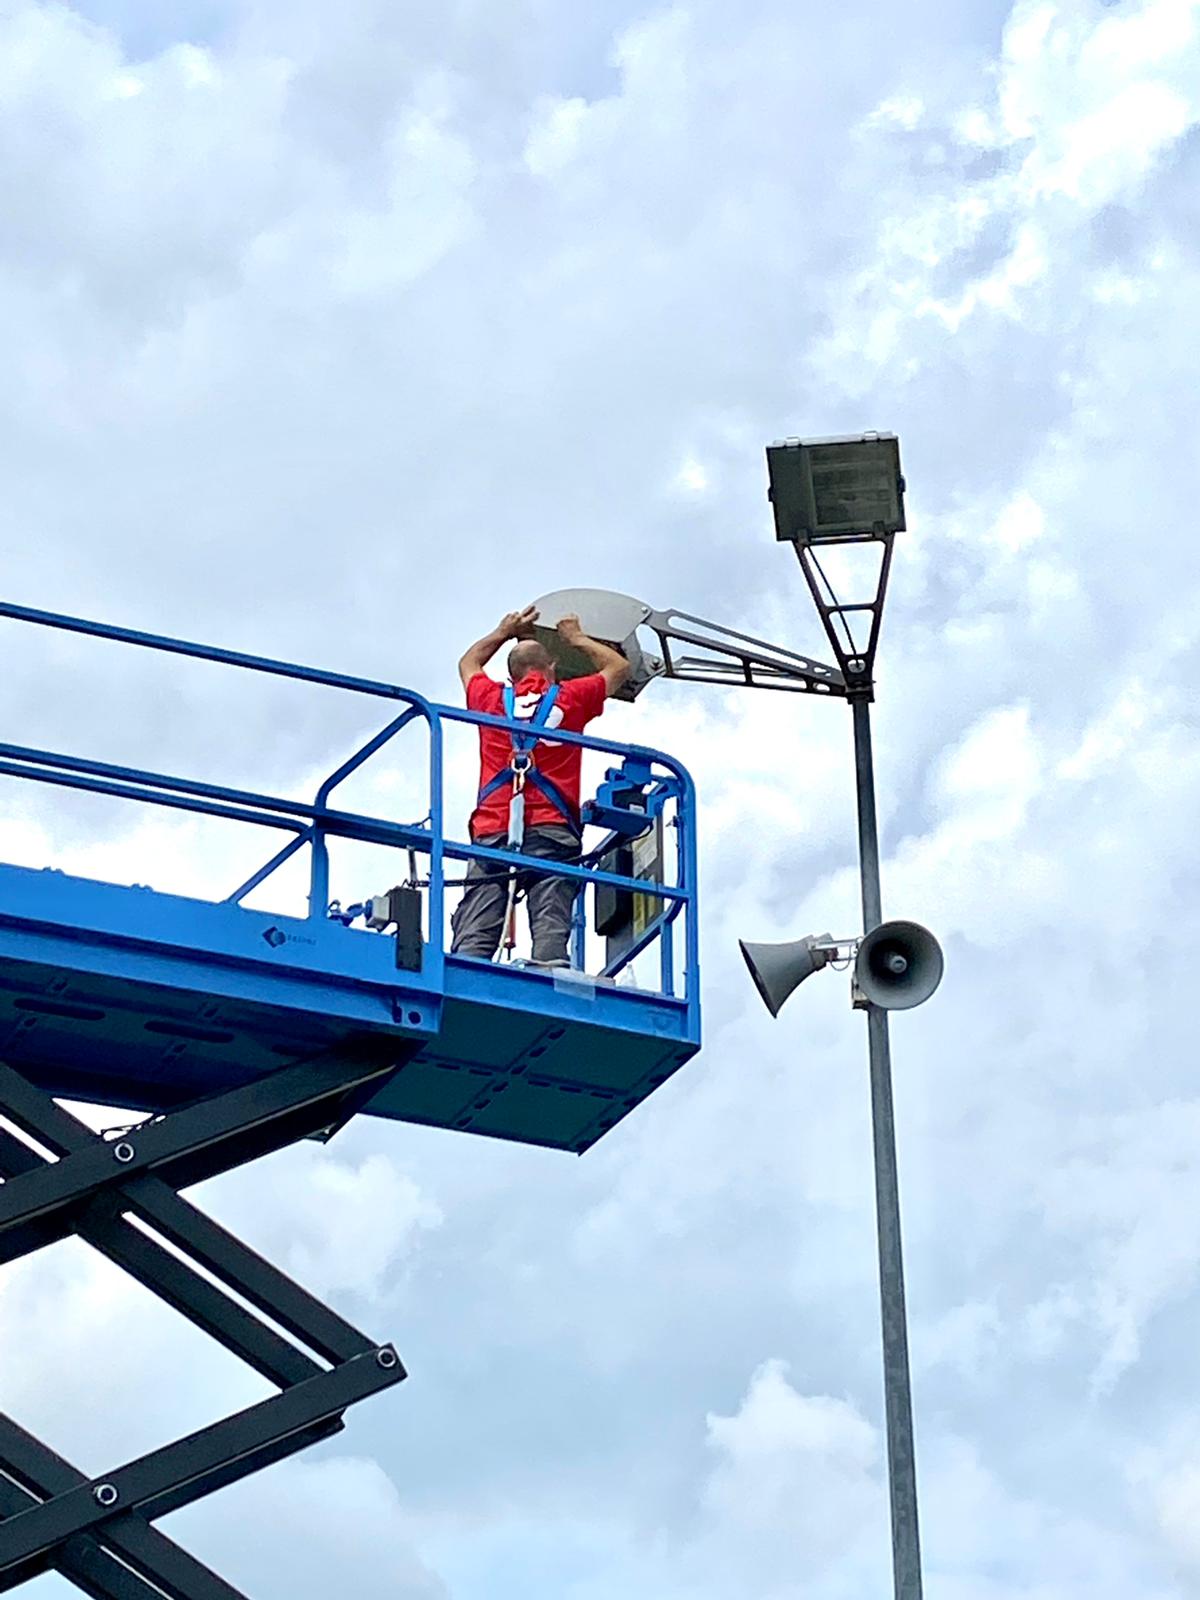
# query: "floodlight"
[832,489]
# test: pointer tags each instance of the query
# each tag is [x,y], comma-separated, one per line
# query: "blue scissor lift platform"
[239,1030]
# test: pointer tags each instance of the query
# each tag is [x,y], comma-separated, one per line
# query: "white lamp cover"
[612,619]
[602,614]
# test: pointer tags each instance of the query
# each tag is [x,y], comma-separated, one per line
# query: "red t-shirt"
[579,700]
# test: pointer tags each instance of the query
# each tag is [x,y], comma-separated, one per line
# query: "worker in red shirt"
[544,821]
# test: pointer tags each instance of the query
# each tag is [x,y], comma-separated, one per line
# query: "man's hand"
[518,624]
[611,664]
[513,625]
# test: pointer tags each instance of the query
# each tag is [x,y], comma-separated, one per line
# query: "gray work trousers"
[478,922]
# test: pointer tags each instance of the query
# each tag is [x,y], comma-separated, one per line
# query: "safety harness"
[521,770]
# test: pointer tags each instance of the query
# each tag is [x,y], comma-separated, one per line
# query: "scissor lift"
[238,1032]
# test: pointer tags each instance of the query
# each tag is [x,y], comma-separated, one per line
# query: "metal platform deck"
[146,1000]
[133,998]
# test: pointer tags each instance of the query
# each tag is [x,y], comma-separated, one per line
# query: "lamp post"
[826,494]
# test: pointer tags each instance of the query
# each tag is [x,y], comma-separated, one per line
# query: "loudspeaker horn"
[899,965]
[777,969]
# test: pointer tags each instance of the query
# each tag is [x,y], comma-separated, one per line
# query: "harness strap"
[500,781]
[521,769]
[556,798]
[545,705]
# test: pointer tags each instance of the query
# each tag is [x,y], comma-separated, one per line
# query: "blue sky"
[333,333]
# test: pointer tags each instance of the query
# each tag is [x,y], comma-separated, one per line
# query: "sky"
[333,333]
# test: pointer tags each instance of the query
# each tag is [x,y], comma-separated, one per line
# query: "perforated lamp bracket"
[717,654]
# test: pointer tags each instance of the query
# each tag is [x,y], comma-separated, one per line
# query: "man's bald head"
[530,656]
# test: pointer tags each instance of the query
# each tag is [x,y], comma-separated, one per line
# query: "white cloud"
[993,774]
[349,329]
[339,1227]
[691,478]
[1178,1508]
[785,1457]
[313,1527]
[554,136]
[1022,522]
[902,111]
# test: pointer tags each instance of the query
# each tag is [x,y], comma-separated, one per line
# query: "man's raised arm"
[513,626]
[609,663]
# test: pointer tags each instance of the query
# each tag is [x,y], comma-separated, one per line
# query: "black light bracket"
[852,627]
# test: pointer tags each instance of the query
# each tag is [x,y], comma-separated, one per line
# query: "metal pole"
[902,1473]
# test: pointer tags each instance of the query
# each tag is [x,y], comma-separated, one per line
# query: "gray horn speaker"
[778,968]
[899,965]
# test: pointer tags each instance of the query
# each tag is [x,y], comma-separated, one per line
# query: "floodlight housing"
[826,490]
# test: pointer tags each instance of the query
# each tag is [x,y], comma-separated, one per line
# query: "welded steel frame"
[737,659]
[857,666]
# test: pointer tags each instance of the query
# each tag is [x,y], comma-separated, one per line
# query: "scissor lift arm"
[96,1531]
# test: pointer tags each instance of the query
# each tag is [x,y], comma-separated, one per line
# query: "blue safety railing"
[313,825]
